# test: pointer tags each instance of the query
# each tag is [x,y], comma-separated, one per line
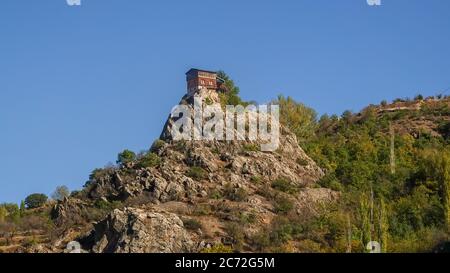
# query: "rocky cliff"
[196,191]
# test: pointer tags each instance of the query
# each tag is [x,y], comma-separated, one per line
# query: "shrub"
[247,218]
[192,224]
[250,147]
[180,146]
[302,161]
[261,240]
[30,242]
[202,209]
[267,192]
[36,200]
[125,157]
[208,101]
[330,181]
[235,194]
[197,173]
[418,97]
[34,222]
[10,211]
[99,174]
[218,248]
[76,194]
[106,206]
[284,185]
[157,145]
[236,232]
[255,179]
[215,151]
[7,232]
[281,230]
[93,214]
[240,195]
[149,160]
[283,205]
[215,194]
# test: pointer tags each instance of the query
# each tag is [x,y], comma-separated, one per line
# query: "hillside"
[194,196]
[391,162]
[333,185]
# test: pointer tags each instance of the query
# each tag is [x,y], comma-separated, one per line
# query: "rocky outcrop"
[309,199]
[133,230]
[68,210]
[237,162]
[221,180]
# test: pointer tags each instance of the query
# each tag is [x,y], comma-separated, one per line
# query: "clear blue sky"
[80,84]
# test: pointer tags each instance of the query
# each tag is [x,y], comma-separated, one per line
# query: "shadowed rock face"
[66,209]
[141,231]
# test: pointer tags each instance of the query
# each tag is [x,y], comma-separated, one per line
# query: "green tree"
[35,200]
[300,119]
[148,160]
[3,214]
[418,97]
[229,91]
[347,116]
[22,208]
[444,129]
[355,152]
[125,157]
[13,212]
[364,214]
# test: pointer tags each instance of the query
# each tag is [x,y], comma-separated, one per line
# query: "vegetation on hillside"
[395,185]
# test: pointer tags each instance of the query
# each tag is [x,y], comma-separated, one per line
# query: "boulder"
[133,230]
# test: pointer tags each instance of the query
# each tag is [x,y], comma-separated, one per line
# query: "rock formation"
[213,182]
[141,231]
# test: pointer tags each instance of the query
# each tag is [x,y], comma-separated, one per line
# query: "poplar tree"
[22,208]
[3,214]
[364,212]
[383,229]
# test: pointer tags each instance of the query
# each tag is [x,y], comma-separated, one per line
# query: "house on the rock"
[198,79]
